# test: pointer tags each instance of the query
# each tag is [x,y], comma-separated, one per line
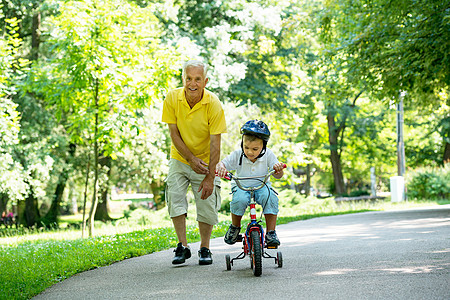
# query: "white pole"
[397,183]
[400,143]
[373,182]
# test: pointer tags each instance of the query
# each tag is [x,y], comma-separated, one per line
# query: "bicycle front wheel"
[256,253]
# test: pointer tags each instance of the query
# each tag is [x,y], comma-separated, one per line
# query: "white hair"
[195,63]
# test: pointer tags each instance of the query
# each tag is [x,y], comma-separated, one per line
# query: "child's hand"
[278,167]
[221,170]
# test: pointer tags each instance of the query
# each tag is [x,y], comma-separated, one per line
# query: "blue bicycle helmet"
[256,128]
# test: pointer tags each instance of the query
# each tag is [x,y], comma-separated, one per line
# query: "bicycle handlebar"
[230,176]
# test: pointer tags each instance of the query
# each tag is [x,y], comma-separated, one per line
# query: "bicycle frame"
[254,225]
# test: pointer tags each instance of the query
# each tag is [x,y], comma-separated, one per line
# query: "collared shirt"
[248,168]
[196,125]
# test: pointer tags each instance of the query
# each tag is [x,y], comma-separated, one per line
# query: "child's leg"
[238,206]
[236,220]
[271,222]
[269,201]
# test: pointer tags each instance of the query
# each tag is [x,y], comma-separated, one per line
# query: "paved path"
[375,255]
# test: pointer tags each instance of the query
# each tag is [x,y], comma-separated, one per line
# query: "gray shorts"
[179,178]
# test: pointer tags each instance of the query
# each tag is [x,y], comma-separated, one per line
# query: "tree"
[104,66]
[144,162]
[14,183]
[404,46]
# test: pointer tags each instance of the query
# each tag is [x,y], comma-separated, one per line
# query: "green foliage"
[429,183]
[12,177]
[105,65]
[106,60]
[145,158]
[426,132]
[290,63]
[403,44]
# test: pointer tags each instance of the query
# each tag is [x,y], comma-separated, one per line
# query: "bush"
[429,183]
[225,206]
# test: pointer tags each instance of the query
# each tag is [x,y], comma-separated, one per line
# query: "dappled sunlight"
[416,223]
[412,270]
[312,234]
[441,251]
[336,272]
[325,234]
[397,270]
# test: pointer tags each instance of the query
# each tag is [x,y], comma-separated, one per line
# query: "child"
[253,159]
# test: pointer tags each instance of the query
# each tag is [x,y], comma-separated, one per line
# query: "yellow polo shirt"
[195,125]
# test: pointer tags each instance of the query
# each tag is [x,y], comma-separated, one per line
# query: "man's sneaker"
[181,254]
[205,256]
[232,234]
[272,239]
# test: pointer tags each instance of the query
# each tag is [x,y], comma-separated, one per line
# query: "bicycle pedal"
[239,238]
[272,247]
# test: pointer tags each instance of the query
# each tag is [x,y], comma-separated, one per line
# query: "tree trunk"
[447,153]
[3,203]
[86,183]
[94,196]
[307,186]
[52,215]
[333,134]
[35,33]
[31,214]
[102,207]
[20,219]
[336,145]
[95,191]
[28,211]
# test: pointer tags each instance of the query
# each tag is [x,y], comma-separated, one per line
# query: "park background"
[82,85]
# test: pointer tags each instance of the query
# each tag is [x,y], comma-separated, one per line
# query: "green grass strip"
[30,268]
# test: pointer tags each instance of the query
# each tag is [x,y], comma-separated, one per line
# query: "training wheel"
[228,260]
[279,259]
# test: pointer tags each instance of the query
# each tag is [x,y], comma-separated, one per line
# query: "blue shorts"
[265,197]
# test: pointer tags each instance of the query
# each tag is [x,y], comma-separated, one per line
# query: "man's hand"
[198,165]
[207,186]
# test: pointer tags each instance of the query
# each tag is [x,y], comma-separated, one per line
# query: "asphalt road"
[376,255]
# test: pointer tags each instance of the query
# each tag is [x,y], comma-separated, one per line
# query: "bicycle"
[253,240]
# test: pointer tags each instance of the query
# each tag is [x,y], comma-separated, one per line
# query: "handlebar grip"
[284,166]
[227,177]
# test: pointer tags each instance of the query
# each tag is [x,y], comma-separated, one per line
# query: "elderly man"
[196,121]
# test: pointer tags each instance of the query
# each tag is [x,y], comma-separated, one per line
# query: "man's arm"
[207,185]
[214,152]
[198,165]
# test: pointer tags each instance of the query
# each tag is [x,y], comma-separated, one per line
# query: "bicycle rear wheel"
[256,253]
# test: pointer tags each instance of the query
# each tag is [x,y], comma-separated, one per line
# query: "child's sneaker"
[272,239]
[232,234]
